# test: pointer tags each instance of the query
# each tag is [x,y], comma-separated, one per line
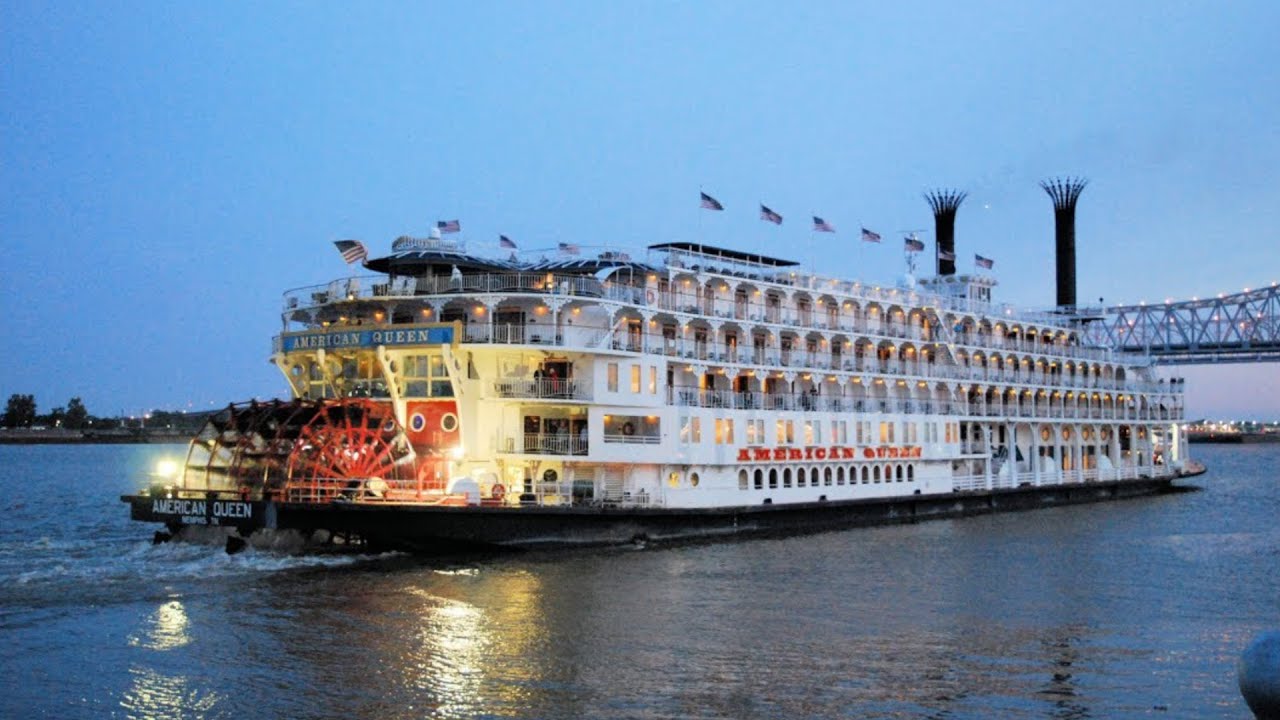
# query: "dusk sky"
[169,169]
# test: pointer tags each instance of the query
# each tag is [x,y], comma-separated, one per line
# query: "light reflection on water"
[166,628]
[1114,610]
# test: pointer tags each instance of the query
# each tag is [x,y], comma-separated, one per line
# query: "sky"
[168,170]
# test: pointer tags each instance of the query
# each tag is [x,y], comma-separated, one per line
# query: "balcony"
[543,389]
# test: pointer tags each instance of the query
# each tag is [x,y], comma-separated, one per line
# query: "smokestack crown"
[1065,192]
[945,203]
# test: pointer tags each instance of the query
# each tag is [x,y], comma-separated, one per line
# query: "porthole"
[550,476]
[673,479]
[448,422]
[417,422]
[693,479]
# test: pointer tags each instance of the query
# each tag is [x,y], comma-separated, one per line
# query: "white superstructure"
[706,377]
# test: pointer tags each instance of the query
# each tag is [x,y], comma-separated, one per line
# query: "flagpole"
[699,211]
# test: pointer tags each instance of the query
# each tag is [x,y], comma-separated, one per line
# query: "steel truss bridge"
[1239,328]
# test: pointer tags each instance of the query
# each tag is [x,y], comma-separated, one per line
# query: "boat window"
[693,479]
[758,480]
[786,477]
[800,477]
[742,479]
[773,477]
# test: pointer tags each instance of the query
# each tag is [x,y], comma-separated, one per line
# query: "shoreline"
[106,437]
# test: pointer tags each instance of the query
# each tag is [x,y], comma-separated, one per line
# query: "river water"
[1136,608]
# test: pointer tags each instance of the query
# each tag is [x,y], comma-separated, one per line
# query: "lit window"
[653,380]
[635,379]
[613,377]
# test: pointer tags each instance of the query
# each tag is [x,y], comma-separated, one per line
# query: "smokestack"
[1064,192]
[944,204]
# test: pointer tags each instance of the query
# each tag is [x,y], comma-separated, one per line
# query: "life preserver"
[497,492]
[648,296]
[628,429]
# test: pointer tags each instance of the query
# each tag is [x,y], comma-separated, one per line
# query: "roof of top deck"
[712,251]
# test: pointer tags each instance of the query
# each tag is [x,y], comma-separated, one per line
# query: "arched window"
[786,477]
[759,479]
[898,473]
[866,475]
[875,474]
[840,475]
[826,476]
[799,477]
[773,477]
[742,479]
[911,473]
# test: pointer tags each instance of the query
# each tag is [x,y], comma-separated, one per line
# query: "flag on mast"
[870,236]
[944,255]
[770,216]
[449,226]
[820,225]
[913,245]
[982,262]
[506,242]
[710,203]
[353,251]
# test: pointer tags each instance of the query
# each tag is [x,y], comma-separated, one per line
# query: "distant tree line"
[20,412]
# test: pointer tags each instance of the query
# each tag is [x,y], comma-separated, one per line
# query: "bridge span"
[1240,328]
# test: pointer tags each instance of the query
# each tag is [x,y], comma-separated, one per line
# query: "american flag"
[983,262]
[449,226]
[913,245]
[820,225]
[569,249]
[506,242]
[870,236]
[944,255]
[771,216]
[353,251]
[710,203]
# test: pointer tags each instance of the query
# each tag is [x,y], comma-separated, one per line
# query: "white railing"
[547,388]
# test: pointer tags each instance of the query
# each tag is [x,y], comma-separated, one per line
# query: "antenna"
[908,254]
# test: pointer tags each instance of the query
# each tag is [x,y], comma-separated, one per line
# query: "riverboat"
[456,399]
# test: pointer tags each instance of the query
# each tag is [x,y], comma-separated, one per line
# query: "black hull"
[438,529]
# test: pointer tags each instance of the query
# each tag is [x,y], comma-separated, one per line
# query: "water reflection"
[152,694]
[166,628]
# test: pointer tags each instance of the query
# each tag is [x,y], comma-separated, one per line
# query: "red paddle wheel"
[351,448]
[243,447]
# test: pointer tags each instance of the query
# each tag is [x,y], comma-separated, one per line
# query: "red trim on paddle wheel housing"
[347,443]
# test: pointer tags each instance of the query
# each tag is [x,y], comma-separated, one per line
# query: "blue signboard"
[335,338]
